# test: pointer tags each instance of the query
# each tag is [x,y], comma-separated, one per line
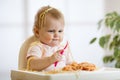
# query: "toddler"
[49,30]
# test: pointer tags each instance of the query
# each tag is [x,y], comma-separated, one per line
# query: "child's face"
[52,33]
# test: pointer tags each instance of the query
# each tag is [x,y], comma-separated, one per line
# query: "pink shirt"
[41,50]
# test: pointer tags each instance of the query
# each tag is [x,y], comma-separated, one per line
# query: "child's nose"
[56,34]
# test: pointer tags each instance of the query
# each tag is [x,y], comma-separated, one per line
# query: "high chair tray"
[100,74]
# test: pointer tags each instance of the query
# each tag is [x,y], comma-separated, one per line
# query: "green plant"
[110,41]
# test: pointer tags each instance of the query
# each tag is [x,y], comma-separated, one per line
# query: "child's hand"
[57,56]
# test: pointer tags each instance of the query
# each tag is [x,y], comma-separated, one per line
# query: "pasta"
[74,67]
[80,66]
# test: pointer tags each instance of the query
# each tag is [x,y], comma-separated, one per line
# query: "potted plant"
[111,41]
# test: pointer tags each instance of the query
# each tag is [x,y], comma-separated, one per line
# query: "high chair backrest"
[23,52]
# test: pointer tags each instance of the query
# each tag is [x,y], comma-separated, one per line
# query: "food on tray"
[74,67]
[87,66]
[80,66]
[71,67]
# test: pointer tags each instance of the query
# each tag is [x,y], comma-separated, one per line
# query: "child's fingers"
[58,56]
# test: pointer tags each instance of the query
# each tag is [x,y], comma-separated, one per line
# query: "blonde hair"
[40,18]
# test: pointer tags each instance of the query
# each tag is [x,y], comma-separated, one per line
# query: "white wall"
[16,21]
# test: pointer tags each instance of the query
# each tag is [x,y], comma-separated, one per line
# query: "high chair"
[23,52]
[22,61]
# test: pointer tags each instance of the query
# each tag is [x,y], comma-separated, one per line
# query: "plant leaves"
[107,59]
[107,20]
[111,46]
[111,14]
[116,40]
[110,19]
[117,26]
[100,23]
[93,40]
[117,65]
[104,40]
[112,23]
[117,52]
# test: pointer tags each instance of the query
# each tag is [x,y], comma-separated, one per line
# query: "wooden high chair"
[23,52]
[22,55]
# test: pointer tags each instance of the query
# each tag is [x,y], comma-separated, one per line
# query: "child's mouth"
[55,39]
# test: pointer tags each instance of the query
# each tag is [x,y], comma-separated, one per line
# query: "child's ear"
[36,31]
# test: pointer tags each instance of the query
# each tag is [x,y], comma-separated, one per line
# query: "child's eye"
[51,31]
[60,31]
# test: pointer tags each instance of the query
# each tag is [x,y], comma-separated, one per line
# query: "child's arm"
[39,64]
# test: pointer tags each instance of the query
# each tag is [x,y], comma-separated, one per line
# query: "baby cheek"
[49,37]
[61,39]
